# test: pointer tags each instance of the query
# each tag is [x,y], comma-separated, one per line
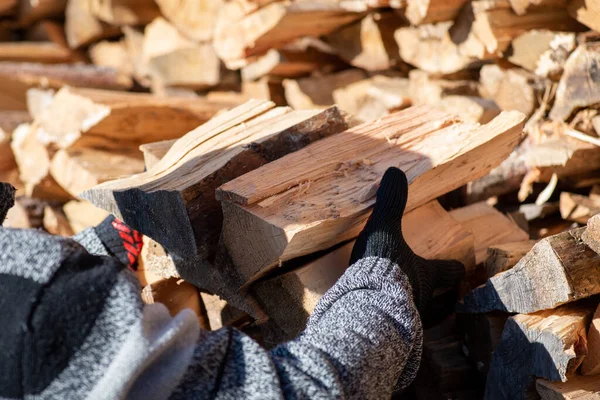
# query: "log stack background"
[95,91]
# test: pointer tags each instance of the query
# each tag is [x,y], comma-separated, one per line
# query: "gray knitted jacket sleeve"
[363,338]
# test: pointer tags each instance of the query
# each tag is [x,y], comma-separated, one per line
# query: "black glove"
[7,199]
[382,237]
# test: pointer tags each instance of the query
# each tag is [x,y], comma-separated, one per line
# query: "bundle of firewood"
[245,140]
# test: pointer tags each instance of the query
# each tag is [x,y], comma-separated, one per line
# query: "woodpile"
[245,140]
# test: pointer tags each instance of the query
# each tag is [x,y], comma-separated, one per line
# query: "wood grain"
[201,161]
[489,227]
[322,195]
[576,388]
[591,364]
[579,85]
[548,344]
[558,269]
[290,298]
[502,257]
[578,208]
[245,29]
[92,118]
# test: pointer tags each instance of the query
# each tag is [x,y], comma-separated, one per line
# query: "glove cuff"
[120,240]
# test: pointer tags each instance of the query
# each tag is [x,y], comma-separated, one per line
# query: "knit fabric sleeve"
[363,339]
[80,320]
[89,239]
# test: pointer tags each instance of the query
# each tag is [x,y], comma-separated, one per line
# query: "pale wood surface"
[134,43]
[78,170]
[563,156]
[290,298]
[244,29]
[82,27]
[176,295]
[174,60]
[87,117]
[587,12]
[31,156]
[591,236]
[221,314]
[301,210]
[558,269]
[543,52]
[83,215]
[521,7]
[154,151]
[42,52]
[266,88]
[548,344]
[214,307]
[512,89]
[502,257]
[124,12]
[17,217]
[591,363]
[489,227]
[317,91]
[299,58]
[429,11]
[182,184]
[425,89]
[372,98]
[195,19]
[496,24]
[576,388]
[215,126]
[156,259]
[114,55]
[433,49]
[470,108]
[369,43]
[58,75]
[55,221]
[578,208]
[574,89]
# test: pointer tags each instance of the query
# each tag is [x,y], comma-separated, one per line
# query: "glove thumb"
[392,195]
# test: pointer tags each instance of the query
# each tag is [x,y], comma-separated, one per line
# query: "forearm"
[90,240]
[364,335]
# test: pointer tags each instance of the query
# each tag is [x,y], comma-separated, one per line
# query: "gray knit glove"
[382,237]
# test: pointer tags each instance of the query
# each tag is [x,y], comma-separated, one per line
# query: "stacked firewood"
[245,140]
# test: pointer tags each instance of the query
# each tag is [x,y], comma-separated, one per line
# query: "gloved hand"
[382,237]
[7,199]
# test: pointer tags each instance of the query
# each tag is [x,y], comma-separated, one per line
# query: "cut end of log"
[557,270]
[181,186]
